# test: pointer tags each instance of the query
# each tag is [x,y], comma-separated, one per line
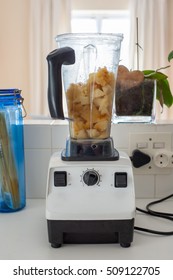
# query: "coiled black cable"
[148,211]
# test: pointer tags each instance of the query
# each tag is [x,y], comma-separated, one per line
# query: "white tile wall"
[42,138]
[36,171]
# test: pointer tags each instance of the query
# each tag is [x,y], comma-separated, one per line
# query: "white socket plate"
[151,144]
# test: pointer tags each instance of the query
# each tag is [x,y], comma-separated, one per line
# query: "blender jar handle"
[55,60]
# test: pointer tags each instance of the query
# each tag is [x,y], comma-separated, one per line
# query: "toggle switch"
[158,145]
[60,178]
[120,179]
[142,145]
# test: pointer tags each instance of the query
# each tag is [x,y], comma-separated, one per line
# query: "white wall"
[14,46]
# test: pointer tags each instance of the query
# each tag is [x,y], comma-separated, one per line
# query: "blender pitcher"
[87,64]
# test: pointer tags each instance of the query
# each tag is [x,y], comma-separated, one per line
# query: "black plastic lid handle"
[55,60]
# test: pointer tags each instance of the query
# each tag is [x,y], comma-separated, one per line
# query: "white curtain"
[48,18]
[155,36]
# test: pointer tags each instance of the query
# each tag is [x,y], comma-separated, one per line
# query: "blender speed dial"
[91,177]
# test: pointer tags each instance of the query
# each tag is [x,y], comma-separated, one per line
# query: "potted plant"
[136,92]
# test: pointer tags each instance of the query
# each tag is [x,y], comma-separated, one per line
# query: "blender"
[90,188]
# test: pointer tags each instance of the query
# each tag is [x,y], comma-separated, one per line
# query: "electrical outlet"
[158,147]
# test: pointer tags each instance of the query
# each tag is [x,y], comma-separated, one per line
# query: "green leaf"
[164,95]
[154,75]
[164,92]
[170,56]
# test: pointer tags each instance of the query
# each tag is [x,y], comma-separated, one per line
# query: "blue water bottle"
[12,167]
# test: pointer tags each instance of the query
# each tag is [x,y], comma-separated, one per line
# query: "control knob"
[91,177]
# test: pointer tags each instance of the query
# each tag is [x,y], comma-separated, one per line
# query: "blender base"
[90,201]
[90,232]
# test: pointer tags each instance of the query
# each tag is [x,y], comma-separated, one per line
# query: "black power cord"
[148,211]
[139,159]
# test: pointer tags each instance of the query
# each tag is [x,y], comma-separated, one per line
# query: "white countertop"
[23,235]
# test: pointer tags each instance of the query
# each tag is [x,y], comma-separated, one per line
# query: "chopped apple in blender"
[105,106]
[104,77]
[82,134]
[93,133]
[98,93]
[90,105]
[101,125]
[73,93]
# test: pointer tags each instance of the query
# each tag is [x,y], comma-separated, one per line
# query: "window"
[104,22]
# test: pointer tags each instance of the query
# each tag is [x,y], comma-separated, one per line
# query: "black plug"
[139,158]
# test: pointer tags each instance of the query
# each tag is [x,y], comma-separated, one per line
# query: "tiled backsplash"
[44,137]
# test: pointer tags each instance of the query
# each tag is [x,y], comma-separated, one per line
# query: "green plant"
[164,95]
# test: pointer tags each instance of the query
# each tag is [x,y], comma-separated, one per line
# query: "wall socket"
[158,146]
